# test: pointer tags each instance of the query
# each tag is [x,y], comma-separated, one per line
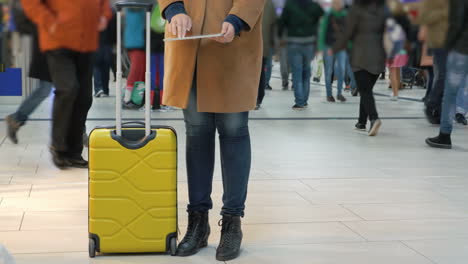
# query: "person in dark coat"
[40,71]
[365,27]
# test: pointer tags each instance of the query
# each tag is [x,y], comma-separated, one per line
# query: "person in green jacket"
[300,18]
[331,26]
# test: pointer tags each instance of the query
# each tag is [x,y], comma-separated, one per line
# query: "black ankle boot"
[441,141]
[198,231]
[231,238]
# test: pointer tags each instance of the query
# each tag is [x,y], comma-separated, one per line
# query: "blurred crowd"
[417,42]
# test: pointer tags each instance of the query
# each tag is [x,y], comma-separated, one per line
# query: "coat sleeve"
[38,12]
[429,15]
[106,10]
[248,10]
[163,4]
[351,27]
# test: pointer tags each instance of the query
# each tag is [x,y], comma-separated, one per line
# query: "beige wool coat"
[227,75]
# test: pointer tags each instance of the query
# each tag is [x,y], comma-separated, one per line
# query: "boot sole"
[229,257]
[435,145]
[188,254]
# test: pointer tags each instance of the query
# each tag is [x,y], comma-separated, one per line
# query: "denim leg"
[200,154]
[340,68]
[308,57]
[295,60]
[33,101]
[462,99]
[328,61]
[437,92]
[457,71]
[236,154]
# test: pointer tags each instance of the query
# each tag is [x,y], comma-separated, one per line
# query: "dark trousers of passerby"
[235,151]
[263,83]
[102,67]
[434,100]
[72,74]
[365,82]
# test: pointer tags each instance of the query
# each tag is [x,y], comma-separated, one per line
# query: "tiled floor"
[319,191]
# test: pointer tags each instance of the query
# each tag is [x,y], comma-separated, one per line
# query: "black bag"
[23,24]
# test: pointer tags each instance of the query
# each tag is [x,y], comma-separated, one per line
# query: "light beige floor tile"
[349,253]
[454,251]
[44,204]
[365,195]
[45,241]
[410,229]
[204,256]
[285,234]
[14,190]
[297,214]
[49,178]
[10,221]
[58,191]
[409,210]
[55,220]
[369,183]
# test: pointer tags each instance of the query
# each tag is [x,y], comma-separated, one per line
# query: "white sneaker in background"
[5,257]
[393,98]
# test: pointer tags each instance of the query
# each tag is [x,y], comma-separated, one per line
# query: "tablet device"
[195,37]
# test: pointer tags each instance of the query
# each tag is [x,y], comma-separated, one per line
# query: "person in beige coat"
[216,82]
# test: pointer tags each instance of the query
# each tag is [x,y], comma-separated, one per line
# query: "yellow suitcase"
[132,181]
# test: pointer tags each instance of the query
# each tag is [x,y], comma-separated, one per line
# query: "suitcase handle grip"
[147,6]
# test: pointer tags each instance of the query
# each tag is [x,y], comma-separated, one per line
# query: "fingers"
[225,29]
[180,25]
[173,27]
[181,30]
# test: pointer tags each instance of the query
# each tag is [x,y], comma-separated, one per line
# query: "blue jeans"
[462,100]
[235,147]
[300,59]
[456,79]
[434,101]
[336,62]
[33,101]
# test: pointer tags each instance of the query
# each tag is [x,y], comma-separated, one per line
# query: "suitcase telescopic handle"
[120,5]
[118,110]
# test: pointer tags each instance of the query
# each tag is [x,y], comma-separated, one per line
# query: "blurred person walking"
[457,71]
[268,32]
[333,25]
[38,70]
[300,18]
[365,27]
[104,58]
[434,16]
[134,42]
[216,82]
[68,33]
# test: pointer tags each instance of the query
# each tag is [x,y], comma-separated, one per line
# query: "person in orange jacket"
[69,34]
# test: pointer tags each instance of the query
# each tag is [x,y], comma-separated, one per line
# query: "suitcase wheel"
[173,246]
[92,248]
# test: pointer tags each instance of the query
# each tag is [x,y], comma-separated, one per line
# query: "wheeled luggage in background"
[132,178]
